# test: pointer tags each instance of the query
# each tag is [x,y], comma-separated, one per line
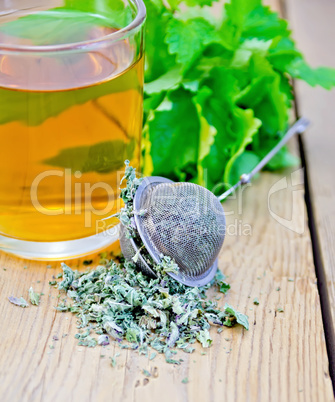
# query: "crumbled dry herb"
[185,380]
[118,301]
[127,194]
[18,301]
[232,315]
[123,303]
[103,340]
[224,286]
[256,301]
[113,359]
[153,355]
[34,297]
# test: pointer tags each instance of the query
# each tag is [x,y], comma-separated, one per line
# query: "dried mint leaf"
[256,301]
[68,277]
[18,301]
[34,297]
[240,318]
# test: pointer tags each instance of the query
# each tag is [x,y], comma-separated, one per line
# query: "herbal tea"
[67,123]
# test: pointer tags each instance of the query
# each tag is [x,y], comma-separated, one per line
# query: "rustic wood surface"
[317,42]
[282,357]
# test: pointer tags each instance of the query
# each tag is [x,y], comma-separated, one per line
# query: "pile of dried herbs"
[117,301]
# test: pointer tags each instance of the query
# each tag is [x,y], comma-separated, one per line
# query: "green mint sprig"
[218,90]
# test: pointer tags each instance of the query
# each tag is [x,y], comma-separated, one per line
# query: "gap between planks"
[286,9]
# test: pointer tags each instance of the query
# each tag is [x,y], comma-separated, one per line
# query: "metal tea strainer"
[184,221]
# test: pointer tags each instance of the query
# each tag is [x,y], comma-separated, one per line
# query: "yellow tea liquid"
[67,123]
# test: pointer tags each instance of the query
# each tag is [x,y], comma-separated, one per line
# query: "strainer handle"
[298,128]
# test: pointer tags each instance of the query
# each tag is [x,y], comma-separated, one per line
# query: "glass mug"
[71,95]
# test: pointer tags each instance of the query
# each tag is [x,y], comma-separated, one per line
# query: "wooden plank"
[281,357]
[314,30]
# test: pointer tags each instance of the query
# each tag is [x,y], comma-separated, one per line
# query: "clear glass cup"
[71,95]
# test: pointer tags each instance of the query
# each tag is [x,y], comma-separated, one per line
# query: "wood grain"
[282,357]
[316,40]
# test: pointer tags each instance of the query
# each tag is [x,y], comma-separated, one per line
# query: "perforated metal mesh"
[129,249]
[184,221]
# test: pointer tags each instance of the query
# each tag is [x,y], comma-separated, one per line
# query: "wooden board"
[282,357]
[313,25]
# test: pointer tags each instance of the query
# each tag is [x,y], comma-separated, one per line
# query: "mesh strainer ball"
[186,222]
[181,220]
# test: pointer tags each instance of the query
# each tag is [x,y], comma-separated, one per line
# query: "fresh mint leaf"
[175,4]
[173,132]
[158,59]
[188,38]
[104,157]
[237,66]
[243,163]
[165,82]
[246,127]
[206,136]
[200,3]
[282,52]
[230,140]
[217,109]
[236,12]
[283,159]
[322,76]
[262,23]
[263,94]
